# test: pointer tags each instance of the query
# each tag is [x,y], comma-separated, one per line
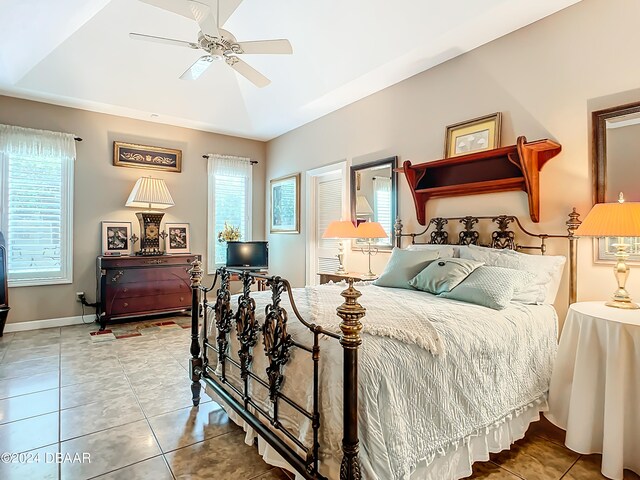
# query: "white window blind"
[382,205]
[230,184]
[329,208]
[37,204]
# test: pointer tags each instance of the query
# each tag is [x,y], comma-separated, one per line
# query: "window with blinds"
[329,208]
[382,206]
[230,202]
[36,218]
[231,207]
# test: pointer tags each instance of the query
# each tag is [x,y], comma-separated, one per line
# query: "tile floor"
[126,403]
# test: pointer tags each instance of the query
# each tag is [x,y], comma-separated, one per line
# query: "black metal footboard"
[277,346]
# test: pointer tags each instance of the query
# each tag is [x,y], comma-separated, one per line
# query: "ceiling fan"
[218,44]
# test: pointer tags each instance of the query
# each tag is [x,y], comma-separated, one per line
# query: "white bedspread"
[415,405]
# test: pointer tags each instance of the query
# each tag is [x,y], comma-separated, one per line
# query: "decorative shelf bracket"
[516,167]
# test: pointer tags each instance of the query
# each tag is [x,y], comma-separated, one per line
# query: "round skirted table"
[595,385]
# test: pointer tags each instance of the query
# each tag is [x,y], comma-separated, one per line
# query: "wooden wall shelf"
[503,169]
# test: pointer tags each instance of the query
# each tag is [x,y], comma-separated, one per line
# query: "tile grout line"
[60,403]
[502,468]
[572,465]
[126,466]
[135,394]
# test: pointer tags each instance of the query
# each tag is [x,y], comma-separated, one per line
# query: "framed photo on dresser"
[116,238]
[178,238]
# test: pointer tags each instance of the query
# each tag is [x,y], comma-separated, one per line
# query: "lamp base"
[150,233]
[369,276]
[624,304]
[149,253]
[621,297]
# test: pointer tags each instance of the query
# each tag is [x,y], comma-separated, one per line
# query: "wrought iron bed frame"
[278,343]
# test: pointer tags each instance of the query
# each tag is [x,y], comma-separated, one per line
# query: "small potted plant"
[229,234]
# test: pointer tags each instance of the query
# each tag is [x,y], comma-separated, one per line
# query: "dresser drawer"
[141,261]
[145,289]
[115,278]
[141,305]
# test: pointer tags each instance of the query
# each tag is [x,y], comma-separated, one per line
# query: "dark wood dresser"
[142,285]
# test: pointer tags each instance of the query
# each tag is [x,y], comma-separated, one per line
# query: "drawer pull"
[182,299]
[125,304]
[117,276]
[155,261]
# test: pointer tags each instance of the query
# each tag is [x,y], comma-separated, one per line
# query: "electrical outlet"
[79,296]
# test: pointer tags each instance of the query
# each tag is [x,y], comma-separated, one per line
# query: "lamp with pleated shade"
[620,219]
[340,229]
[370,231]
[152,194]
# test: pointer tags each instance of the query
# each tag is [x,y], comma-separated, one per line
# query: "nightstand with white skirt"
[595,386]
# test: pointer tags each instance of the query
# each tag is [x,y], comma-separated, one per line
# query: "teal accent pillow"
[444,274]
[403,266]
[491,287]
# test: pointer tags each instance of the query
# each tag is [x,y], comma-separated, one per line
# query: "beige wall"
[545,78]
[102,189]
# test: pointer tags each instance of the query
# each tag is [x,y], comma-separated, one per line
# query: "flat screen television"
[248,255]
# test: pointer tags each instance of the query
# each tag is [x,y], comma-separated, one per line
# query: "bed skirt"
[455,464]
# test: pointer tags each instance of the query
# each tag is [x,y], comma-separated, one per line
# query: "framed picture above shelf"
[472,136]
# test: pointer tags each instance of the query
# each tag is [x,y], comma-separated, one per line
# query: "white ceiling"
[78,53]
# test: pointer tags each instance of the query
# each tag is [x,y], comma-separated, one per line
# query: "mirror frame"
[394,195]
[599,124]
[599,120]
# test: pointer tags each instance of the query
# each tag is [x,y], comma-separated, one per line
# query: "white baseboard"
[47,323]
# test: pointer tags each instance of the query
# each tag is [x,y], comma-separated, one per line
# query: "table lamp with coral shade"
[618,219]
[340,229]
[370,231]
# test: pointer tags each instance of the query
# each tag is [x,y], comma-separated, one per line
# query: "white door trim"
[310,208]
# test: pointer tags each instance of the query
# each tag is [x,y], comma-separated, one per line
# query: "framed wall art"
[116,238]
[178,238]
[143,156]
[473,136]
[285,204]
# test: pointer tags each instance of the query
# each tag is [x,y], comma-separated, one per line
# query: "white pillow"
[547,270]
[446,251]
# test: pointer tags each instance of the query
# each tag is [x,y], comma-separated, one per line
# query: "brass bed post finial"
[195,365]
[397,230]
[572,225]
[351,312]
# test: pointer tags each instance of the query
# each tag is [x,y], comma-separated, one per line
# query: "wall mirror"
[616,168]
[374,198]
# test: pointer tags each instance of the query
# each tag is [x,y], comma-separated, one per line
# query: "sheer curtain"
[36,204]
[229,201]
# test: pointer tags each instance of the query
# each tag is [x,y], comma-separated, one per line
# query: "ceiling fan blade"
[248,72]
[168,41]
[226,9]
[267,46]
[181,7]
[205,17]
[198,68]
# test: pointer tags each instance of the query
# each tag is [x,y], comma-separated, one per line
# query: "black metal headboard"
[504,236]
